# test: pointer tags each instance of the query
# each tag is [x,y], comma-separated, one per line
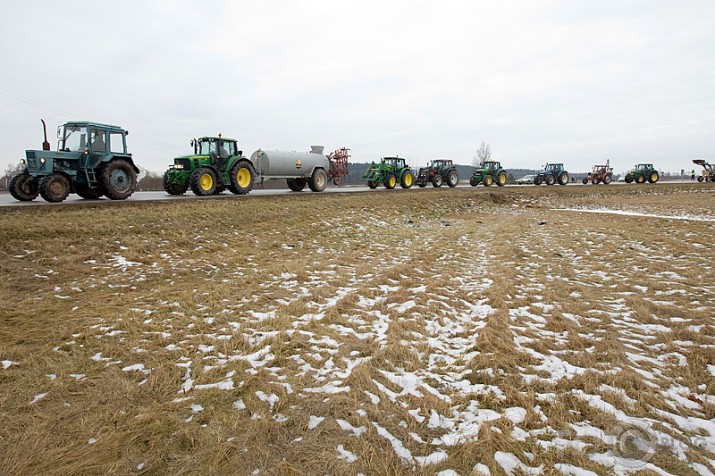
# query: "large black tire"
[501,179]
[452,178]
[87,192]
[640,178]
[585,181]
[488,180]
[117,179]
[607,179]
[422,185]
[700,179]
[595,181]
[390,181]
[173,188]
[437,181]
[23,187]
[54,188]
[296,185]
[220,188]
[242,176]
[372,184]
[564,178]
[550,179]
[473,181]
[629,178]
[407,180]
[653,177]
[203,181]
[537,180]
[318,181]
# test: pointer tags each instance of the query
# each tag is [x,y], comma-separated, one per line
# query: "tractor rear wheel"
[318,181]
[173,188]
[564,178]
[501,179]
[452,178]
[87,192]
[488,180]
[117,179]
[23,187]
[550,179]
[437,181]
[607,179]
[640,179]
[203,181]
[653,177]
[296,185]
[372,184]
[407,180]
[54,188]
[242,176]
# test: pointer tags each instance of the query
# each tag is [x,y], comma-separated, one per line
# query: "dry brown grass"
[482,318]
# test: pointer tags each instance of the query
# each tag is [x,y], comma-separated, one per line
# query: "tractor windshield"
[75,138]
[206,147]
[553,168]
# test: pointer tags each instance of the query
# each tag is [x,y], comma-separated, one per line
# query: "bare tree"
[483,153]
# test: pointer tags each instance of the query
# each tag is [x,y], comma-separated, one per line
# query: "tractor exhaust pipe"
[45,145]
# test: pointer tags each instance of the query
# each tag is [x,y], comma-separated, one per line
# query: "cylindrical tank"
[283,164]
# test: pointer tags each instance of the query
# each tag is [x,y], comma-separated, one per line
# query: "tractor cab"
[397,163]
[554,169]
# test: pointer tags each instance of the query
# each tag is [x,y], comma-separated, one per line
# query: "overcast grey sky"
[562,80]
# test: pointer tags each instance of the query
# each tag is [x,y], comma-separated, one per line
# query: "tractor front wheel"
[452,178]
[501,179]
[296,185]
[54,188]
[87,192]
[173,188]
[407,180]
[437,181]
[550,179]
[473,181]
[318,181]
[595,181]
[700,179]
[117,179]
[488,180]
[242,176]
[23,187]
[390,181]
[640,179]
[629,178]
[372,184]
[203,181]
[585,181]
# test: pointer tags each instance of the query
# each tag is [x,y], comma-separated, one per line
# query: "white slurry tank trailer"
[301,168]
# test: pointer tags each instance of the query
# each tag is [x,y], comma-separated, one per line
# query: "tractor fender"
[109,157]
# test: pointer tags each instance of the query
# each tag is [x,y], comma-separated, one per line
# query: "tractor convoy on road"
[92,161]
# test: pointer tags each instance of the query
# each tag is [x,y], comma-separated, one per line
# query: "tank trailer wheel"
[173,188]
[87,192]
[407,180]
[488,180]
[296,185]
[318,181]
[501,179]
[203,181]
[117,179]
[23,187]
[550,179]
[242,176]
[372,184]
[437,181]
[452,179]
[653,177]
[54,188]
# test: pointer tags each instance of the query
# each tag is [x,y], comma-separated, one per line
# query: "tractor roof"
[93,124]
[215,138]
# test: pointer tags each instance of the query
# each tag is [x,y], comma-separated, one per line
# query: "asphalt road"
[6,200]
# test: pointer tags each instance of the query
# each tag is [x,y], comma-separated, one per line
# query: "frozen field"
[472,331]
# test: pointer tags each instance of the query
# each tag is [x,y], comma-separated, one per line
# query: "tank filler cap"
[316,149]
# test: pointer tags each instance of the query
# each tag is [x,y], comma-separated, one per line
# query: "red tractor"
[600,173]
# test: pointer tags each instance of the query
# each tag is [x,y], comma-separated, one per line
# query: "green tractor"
[641,173]
[488,173]
[552,174]
[91,161]
[215,165]
[438,172]
[389,172]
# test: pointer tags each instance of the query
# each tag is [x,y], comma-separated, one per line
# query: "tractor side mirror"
[59,133]
[240,152]
[126,133]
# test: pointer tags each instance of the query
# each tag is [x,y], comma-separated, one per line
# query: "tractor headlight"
[42,160]
[178,166]
[22,161]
